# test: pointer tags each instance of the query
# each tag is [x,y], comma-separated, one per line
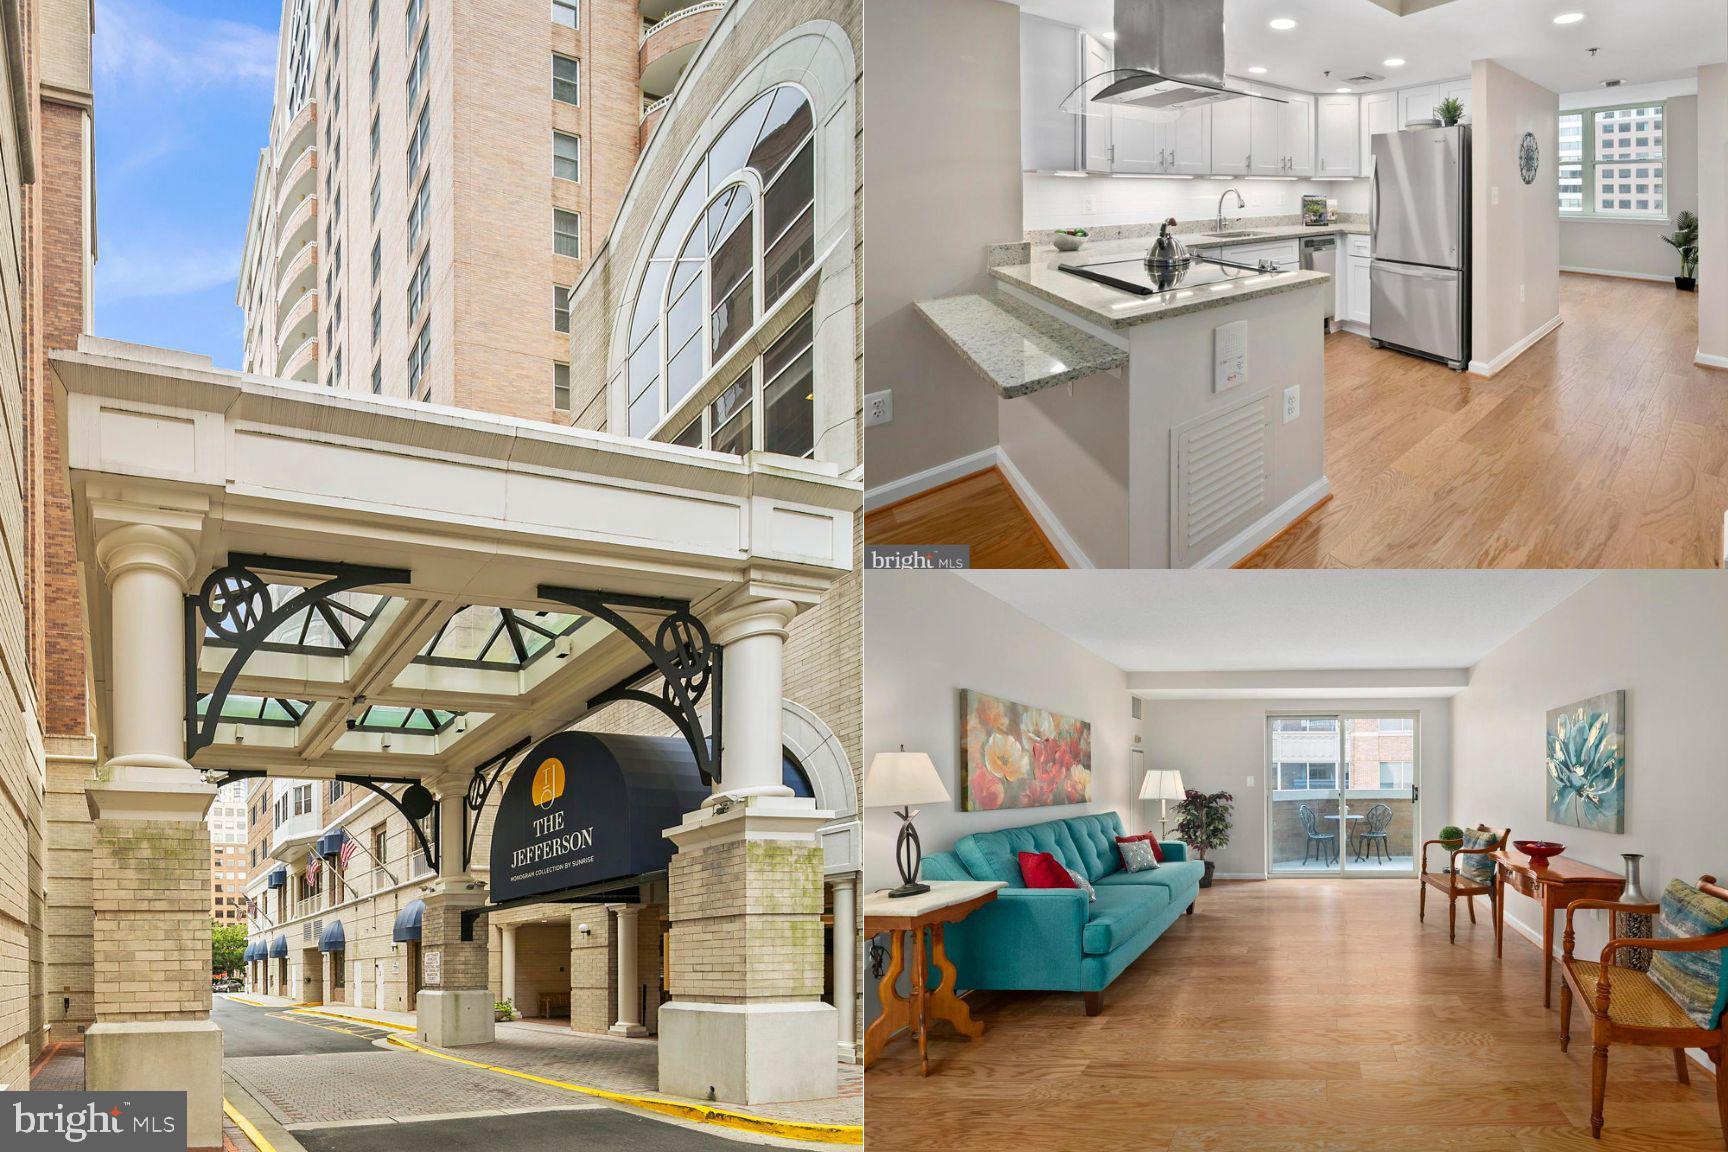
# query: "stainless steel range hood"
[1169,56]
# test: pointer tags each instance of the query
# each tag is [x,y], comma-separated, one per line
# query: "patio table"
[1357,854]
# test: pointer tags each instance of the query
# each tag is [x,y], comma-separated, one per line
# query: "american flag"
[349,847]
[251,906]
[312,864]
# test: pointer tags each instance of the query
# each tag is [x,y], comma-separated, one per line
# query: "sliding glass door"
[1342,794]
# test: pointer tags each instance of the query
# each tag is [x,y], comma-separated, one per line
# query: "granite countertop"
[1036,246]
[1017,347]
[1113,308]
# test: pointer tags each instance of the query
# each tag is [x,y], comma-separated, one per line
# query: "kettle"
[1168,254]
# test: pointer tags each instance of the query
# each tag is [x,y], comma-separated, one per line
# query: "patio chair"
[1373,833]
[1629,1006]
[1327,841]
[1470,874]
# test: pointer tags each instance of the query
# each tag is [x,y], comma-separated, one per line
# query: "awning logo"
[548,782]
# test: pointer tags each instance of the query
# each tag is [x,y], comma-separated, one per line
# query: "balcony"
[299,134]
[300,226]
[668,45]
[652,113]
[294,833]
[297,182]
[298,322]
[302,363]
[299,275]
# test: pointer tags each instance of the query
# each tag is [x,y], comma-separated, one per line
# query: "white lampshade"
[1162,784]
[899,779]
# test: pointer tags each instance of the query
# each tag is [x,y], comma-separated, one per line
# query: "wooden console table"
[947,902]
[1553,885]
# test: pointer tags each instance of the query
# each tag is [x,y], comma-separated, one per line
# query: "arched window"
[739,236]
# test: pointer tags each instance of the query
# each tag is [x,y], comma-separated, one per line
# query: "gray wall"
[941,181]
[1637,249]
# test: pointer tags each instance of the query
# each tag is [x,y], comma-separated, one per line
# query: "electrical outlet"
[1292,402]
[1089,205]
[1494,194]
[1250,781]
[879,408]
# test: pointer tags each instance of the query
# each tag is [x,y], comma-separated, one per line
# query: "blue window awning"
[279,948]
[330,843]
[332,938]
[251,952]
[278,877]
[408,922]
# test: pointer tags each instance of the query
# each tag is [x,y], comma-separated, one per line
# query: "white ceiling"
[1639,40]
[1161,621]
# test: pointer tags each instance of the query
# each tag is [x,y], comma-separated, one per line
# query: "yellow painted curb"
[254,1003]
[701,1113]
[246,1126]
[366,1020]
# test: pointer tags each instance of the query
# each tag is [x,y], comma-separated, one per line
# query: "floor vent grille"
[1223,476]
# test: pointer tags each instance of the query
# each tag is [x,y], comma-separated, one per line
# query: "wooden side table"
[1553,885]
[947,902]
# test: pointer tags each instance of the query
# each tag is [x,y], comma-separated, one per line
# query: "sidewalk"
[60,1068]
[616,1066]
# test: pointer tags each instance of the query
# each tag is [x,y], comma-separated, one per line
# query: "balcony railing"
[680,15]
[654,106]
[305,355]
[303,213]
[292,178]
[304,306]
[302,123]
[306,258]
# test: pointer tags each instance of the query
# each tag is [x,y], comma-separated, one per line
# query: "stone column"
[507,961]
[150,852]
[455,1007]
[629,1015]
[747,1021]
[846,965]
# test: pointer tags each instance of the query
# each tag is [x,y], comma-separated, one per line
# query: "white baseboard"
[896,490]
[1245,542]
[1619,275]
[1502,361]
[1066,546]
[1707,360]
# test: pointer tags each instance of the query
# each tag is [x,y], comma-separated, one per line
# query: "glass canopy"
[275,711]
[483,636]
[396,718]
[332,627]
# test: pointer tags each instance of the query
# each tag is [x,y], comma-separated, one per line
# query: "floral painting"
[1587,763]
[1017,756]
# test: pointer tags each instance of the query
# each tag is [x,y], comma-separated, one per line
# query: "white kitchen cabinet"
[1191,142]
[1141,144]
[1337,136]
[1379,114]
[1049,71]
[1095,124]
[1356,290]
[1417,103]
[1230,137]
[1265,137]
[1296,125]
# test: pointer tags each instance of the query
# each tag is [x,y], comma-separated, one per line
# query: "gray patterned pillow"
[1136,855]
[1084,885]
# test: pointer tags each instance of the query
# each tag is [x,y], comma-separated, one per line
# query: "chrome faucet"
[1239,203]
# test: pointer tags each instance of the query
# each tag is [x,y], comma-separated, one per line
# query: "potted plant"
[1203,823]
[1685,242]
[1449,111]
[1070,239]
[503,1010]
[1450,837]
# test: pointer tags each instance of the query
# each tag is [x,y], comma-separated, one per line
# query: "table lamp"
[1162,785]
[902,779]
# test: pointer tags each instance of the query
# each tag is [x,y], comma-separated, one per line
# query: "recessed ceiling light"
[1258,71]
[1282,24]
[1340,91]
[1109,35]
[1394,62]
[1568,17]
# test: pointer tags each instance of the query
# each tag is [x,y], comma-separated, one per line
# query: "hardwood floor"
[1602,446]
[980,510]
[1294,1015]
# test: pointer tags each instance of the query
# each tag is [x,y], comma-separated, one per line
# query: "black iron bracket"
[234,604]
[480,785]
[684,657]
[416,804]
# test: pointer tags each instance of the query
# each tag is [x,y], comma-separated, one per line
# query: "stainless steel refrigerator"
[1419,279]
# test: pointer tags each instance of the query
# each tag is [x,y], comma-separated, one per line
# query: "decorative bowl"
[1539,851]
[1066,243]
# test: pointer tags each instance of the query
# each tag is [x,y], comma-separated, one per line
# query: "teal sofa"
[1054,939]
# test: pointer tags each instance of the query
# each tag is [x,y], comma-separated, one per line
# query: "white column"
[507,961]
[624,937]
[147,567]
[846,965]
[754,636]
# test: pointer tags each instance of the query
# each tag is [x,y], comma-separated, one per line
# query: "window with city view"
[1611,161]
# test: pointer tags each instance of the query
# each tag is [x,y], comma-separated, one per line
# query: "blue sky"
[183,92]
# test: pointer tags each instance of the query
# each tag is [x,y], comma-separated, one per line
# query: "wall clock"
[1529,157]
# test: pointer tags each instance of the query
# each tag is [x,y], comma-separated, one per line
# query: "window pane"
[644,364]
[560,308]
[786,349]
[683,371]
[788,409]
[644,413]
[732,318]
[566,157]
[732,150]
[683,213]
[1571,187]
[1629,133]
[788,123]
[561,387]
[565,228]
[684,317]
[730,416]
[647,312]
[565,80]
[733,258]
[564,12]
[787,197]
[691,437]
[788,258]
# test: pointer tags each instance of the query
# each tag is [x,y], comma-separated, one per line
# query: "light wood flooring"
[1290,1015]
[981,510]
[1602,446]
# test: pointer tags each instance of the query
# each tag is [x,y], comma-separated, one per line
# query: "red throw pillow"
[1150,838]
[1042,870]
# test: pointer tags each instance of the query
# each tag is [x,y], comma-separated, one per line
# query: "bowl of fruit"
[1539,851]
[1070,239]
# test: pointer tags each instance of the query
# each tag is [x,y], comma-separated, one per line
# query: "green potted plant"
[1685,242]
[1449,111]
[503,1010]
[1203,823]
[1450,837]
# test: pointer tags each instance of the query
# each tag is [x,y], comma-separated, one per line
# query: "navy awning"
[330,843]
[279,948]
[251,952]
[408,922]
[278,876]
[332,938]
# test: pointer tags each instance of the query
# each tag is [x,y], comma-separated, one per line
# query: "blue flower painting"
[1587,763]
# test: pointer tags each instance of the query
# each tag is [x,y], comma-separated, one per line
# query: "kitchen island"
[1177,429]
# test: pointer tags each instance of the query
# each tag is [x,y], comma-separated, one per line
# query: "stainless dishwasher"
[1320,254]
